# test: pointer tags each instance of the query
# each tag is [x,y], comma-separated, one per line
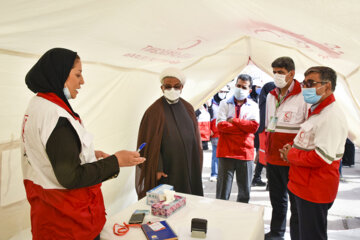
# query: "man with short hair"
[173,147]
[285,111]
[238,120]
[316,152]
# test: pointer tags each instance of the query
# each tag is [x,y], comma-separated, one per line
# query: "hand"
[230,120]
[128,158]
[211,133]
[284,152]
[160,175]
[100,154]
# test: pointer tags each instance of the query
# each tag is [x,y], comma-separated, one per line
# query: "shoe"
[269,236]
[213,179]
[258,183]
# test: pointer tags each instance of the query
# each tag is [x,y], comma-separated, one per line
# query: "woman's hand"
[100,154]
[128,158]
[160,175]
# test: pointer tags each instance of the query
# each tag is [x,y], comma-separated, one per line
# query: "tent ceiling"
[125,44]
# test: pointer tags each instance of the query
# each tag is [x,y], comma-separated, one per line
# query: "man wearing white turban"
[173,151]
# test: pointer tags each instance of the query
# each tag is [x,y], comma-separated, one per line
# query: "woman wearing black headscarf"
[62,172]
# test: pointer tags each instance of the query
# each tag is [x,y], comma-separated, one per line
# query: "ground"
[344,215]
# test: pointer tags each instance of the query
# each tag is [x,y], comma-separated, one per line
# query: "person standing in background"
[261,162]
[238,120]
[203,119]
[214,135]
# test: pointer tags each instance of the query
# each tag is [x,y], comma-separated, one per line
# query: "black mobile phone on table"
[137,218]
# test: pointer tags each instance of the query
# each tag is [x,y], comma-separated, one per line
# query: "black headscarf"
[50,73]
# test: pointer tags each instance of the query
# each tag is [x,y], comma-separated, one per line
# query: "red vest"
[56,212]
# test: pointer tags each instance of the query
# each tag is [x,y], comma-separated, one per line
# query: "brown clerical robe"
[172,145]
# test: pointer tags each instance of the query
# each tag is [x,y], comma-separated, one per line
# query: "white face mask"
[241,94]
[280,80]
[222,95]
[172,94]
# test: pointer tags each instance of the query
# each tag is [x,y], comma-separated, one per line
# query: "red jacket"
[236,139]
[313,179]
[204,128]
[316,154]
[290,113]
[262,155]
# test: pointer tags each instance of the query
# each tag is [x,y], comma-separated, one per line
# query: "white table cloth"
[226,220]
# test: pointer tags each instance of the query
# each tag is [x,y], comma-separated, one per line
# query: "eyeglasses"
[310,83]
[168,86]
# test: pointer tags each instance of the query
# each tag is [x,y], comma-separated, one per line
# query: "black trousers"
[226,169]
[312,219]
[278,177]
[257,173]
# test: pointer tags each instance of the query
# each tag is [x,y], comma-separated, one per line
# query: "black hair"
[284,62]
[326,74]
[246,78]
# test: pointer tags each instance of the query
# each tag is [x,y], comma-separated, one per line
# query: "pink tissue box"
[165,210]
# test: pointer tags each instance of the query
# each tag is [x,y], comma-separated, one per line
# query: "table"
[226,219]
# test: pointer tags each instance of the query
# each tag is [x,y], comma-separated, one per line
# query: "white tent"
[125,44]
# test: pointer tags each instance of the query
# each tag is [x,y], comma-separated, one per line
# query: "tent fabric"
[124,45]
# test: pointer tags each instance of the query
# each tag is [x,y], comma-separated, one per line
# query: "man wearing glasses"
[315,154]
[285,111]
[173,147]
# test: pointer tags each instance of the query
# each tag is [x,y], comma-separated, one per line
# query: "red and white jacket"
[56,212]
[316,153]
[204,124]
[290,114]
[236,139]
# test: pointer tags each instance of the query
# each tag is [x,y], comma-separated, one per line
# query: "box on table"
[157,193]
[163,209]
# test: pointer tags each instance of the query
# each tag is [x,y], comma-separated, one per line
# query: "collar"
[320,106]
[52,97]
[216,103]
[232,101]
[294,89]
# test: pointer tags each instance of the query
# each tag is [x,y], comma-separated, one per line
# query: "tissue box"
[157,193]
[165,210]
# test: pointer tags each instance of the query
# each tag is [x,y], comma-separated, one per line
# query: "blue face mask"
[258,90]
[67,93]
[310,95]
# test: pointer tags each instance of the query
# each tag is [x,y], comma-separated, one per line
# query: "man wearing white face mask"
[285,111]
[238,120]
[173,146]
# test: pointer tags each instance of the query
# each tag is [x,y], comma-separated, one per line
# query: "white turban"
[172,72]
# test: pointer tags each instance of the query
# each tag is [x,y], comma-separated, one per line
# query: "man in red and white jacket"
[316,153]
[285,111]
[238,120]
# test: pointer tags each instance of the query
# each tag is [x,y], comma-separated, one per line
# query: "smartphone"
[137,218]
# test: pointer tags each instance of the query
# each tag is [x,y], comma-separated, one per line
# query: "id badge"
[272,125]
